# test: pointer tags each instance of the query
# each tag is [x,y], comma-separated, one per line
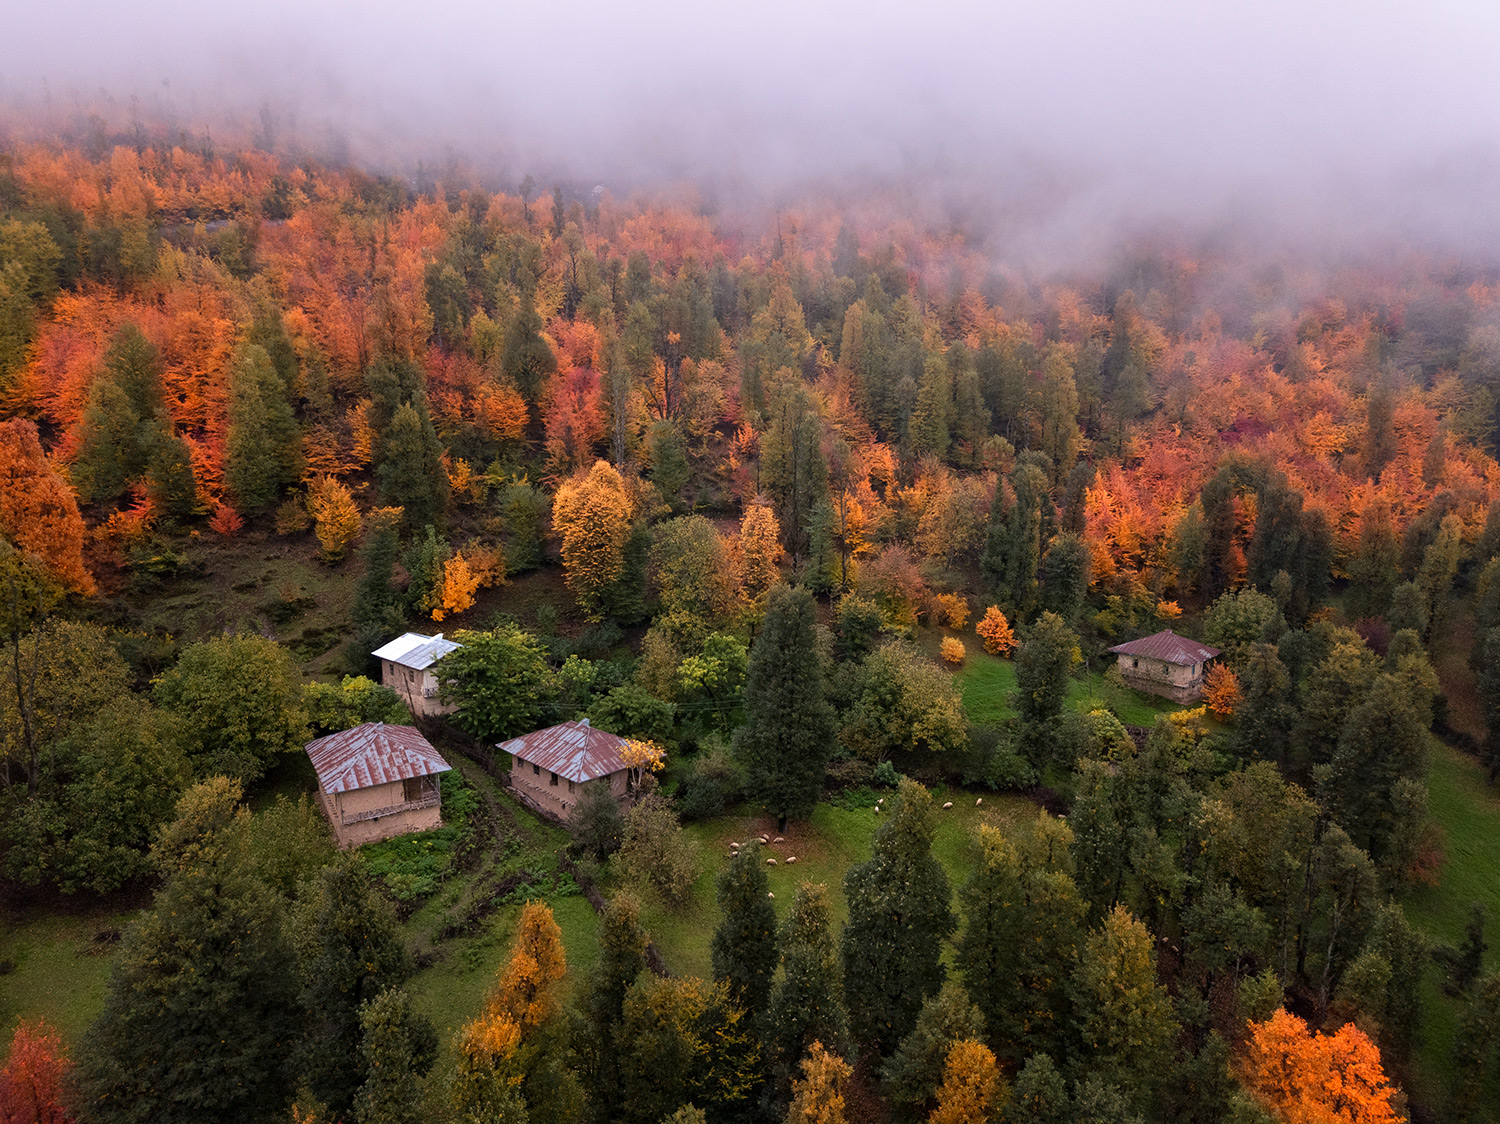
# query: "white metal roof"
[416,651]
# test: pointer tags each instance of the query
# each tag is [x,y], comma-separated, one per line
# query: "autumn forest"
[834,515]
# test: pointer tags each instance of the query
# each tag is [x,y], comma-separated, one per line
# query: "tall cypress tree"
[744,944]
[263,449]
[198,1012]
[808,1004]
[788,722]
[900,912]
[1022,914]
[349,950]
[397,1047]
[410,470]
[622,957]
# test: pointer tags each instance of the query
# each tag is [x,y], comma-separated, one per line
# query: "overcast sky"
[1385,114]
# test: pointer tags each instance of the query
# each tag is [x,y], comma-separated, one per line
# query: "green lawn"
[1468,811]
[987,683]
[58,967]
[825,846]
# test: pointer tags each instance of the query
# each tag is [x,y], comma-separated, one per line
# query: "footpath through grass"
[1468,811]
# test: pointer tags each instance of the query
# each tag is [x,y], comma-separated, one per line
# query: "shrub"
[952,650]
[996,633]
[656,852]
[951,609]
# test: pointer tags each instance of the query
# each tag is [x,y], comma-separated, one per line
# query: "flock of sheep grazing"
[765,840]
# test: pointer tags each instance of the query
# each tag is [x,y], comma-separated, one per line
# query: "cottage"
[377,781]
[551,766]
[1165,664]
[406,668]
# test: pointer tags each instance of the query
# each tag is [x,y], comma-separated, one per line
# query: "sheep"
[948,805]
[979,802]
[790,860]
[778,839]
[769,894]
[770,862]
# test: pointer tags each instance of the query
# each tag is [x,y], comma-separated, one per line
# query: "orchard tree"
[907,708]
[789,725]
[241,700]
[499,680]
[900,913]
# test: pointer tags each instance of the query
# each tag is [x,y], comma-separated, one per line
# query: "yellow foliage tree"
[528,986]
[952,609]
[457,587]
[971,1090]
[952,650]
[335,516]
[638,754]
[760,551]
[592,518]
[818,1095]
[995,631]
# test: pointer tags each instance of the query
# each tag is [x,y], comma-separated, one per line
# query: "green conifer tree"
[744,944]
[622,957]
[915,1071]
[410,469]
[900,912]
[807,1005]
[397,1047]
[1040,1095]
[349,950]
[789,725]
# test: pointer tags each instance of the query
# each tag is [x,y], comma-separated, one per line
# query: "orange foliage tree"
[38,511]
[952,650]
[1308,1078]
[1221,690]
[574,420]
[31,1084]
[996,632]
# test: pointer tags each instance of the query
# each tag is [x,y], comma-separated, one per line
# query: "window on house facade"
[1134,662]
[536,770]
[553,782]
[570,786]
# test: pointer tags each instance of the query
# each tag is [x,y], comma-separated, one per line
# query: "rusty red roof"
[372,754]
[1167,645]
[575,751]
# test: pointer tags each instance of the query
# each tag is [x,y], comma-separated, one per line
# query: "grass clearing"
[59,966]
[1468,811]
[987,683]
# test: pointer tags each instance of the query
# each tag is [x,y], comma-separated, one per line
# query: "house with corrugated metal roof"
[406,667]
[377,781]
[1165,664]
[551,766]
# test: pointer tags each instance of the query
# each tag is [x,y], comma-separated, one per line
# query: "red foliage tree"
[31,1084]
[38,511]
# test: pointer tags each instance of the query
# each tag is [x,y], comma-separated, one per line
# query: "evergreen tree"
[744,944]
[1123,1016]
[622,957]
[1384,740]
[1064,576]
[930,420]
[1487,686]
[397,1047]
[410,469]
[1044,661]
[1264,717]
[1333,689]
[1376,566]
[789,725]
[108,456]
[900,913]
[915,1070]
[526,360]
[197,1014]
[169,475]
[1022,917]
[263,451]
[349,950]
[1040,1096]
[807,1004]
[377,614]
